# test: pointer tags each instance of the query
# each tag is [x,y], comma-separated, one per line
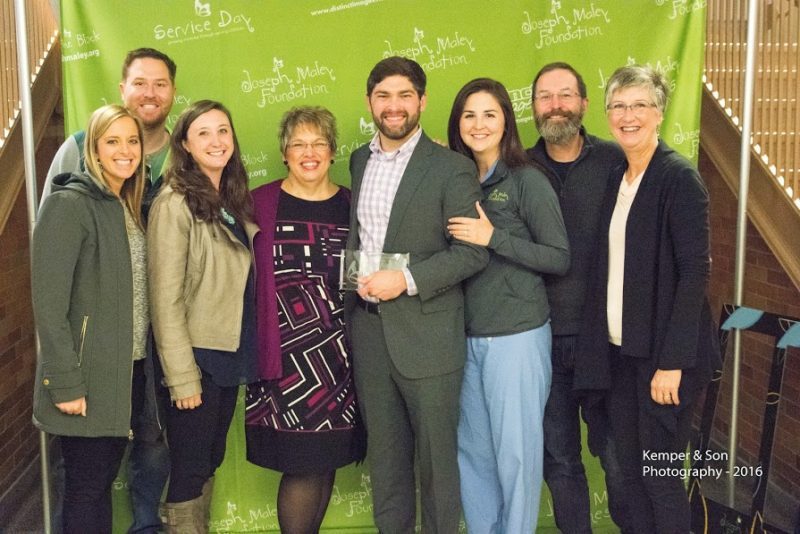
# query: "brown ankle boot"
[188,517]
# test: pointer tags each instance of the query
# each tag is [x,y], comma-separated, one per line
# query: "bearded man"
[406,323]
[578,165]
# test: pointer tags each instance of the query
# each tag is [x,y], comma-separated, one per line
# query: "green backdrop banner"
[262,57]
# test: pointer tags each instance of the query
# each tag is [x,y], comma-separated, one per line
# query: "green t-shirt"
[155,162]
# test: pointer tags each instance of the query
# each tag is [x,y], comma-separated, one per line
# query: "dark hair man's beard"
[558,132]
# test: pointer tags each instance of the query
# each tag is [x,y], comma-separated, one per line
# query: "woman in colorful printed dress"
[302,418]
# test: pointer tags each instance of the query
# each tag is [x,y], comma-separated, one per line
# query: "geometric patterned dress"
[307,421]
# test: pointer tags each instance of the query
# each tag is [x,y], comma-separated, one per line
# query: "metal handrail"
[42,31]
[776,118]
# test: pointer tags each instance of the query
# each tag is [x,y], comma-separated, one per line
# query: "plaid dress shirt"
[378,188]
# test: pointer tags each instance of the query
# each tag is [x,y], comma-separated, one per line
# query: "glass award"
[359,263]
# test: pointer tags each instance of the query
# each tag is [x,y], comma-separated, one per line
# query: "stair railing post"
[29,158]
[741,235]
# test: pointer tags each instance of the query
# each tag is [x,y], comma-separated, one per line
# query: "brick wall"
[18,439]
[768,288]
[19,442]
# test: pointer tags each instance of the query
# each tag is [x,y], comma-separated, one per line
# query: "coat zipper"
[130,403]
[83,339]
[133,320]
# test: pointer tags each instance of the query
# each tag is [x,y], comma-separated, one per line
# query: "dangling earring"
[333,161]
[100,165]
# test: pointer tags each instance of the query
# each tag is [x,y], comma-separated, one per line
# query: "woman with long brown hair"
[202,293]
[508,370]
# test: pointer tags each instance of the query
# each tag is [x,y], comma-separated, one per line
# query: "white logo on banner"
[255,164]
[179,103]
[560,26]
[599,503]
[248,521]
[667,67]
[366,129]
[341,7]
[202,28]
[355,500]
[683,7]
[448,50]
[690,136]
[306,80]
[521,100]
[201,9]
[182,100]
[77,41]
[68,40]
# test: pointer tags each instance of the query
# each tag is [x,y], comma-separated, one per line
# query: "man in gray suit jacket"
[407,324]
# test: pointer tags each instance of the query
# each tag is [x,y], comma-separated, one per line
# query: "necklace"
[227,216]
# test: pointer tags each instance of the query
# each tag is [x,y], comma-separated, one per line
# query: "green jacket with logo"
[82,289]
[529,239]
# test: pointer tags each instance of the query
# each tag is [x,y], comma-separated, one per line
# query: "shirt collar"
[406,148]
[490,172]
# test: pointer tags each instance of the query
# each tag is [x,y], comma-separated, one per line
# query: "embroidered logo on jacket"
[498,196]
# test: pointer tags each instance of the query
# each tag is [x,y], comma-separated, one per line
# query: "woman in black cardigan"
[650,339]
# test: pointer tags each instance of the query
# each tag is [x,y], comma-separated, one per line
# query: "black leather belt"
[369,307]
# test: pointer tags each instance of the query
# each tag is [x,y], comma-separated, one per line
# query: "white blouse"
[616,257]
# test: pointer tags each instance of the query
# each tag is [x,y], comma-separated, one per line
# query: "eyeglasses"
[299,147]
[618,109]
[567,97]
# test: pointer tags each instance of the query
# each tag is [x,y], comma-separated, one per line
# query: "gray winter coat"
[83,306]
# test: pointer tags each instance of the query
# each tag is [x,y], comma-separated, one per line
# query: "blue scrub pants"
[500,443]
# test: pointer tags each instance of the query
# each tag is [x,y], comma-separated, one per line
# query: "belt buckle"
[370,307]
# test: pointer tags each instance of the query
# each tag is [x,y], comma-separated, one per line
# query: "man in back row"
[147,89]
[579,165]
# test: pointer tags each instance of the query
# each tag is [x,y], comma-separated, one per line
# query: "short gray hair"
[316,116]
[639,76]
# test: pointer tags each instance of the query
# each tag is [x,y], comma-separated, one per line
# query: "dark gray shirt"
[529,239]
[580,194]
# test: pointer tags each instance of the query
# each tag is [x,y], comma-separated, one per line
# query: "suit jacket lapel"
[413,176]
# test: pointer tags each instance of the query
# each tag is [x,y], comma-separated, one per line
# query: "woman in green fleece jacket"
[507,372]
[90,304]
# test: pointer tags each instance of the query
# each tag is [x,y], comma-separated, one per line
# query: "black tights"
[302,501]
